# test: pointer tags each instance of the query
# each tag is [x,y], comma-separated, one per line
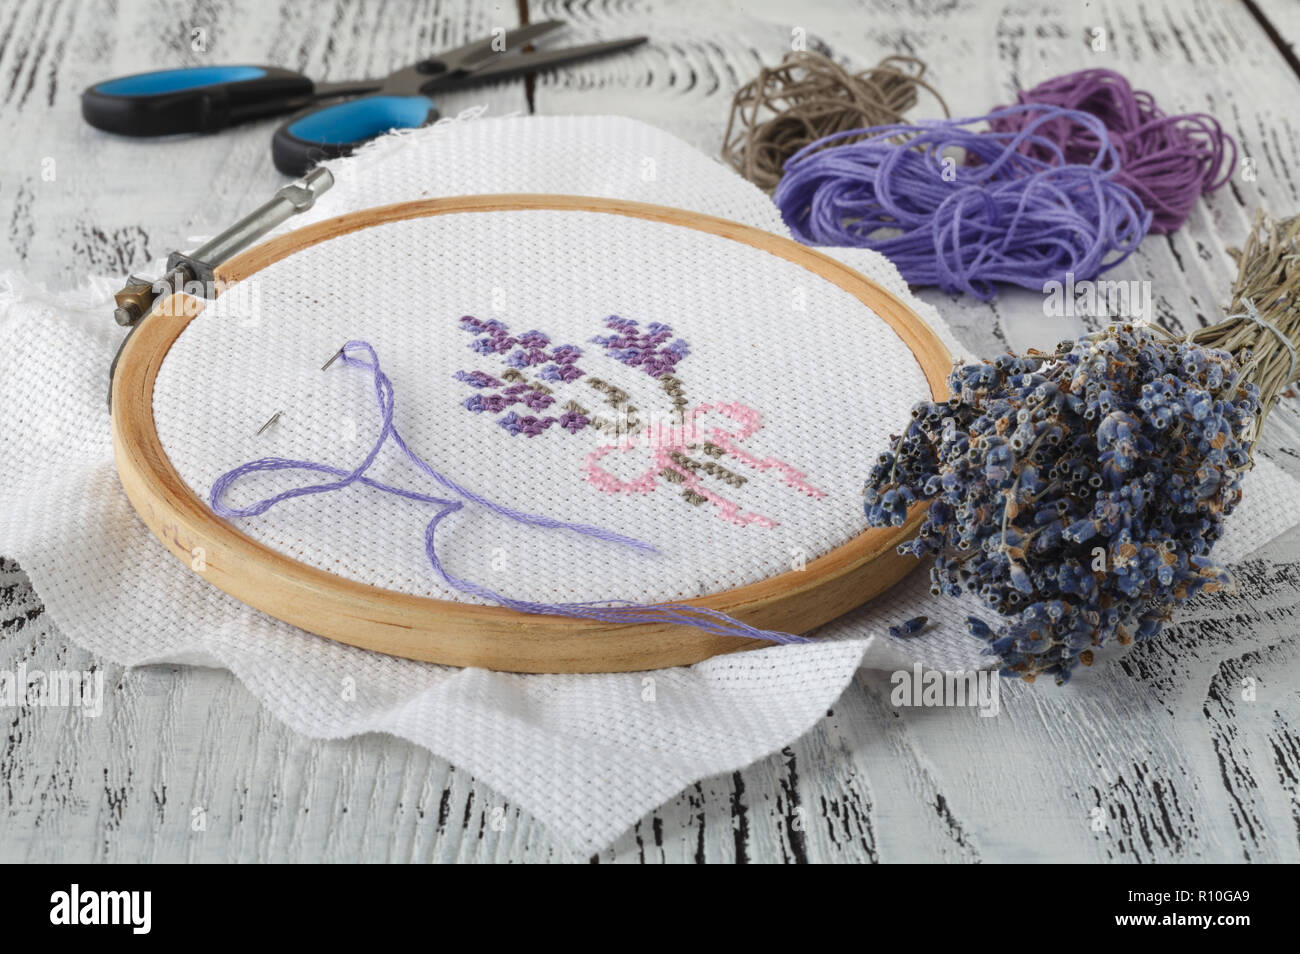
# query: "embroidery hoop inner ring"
[464,634]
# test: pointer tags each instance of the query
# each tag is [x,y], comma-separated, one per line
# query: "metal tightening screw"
[137,296]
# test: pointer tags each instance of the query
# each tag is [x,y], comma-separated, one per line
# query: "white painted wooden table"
[1155,757]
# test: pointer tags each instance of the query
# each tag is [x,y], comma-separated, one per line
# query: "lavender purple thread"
[1017,210]
[1168,161]
[708,620]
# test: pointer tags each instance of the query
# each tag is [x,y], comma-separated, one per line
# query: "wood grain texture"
[1187,749]
[495,637]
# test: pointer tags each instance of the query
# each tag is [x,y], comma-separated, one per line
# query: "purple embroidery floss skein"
[963,208]
[1169,161]
[361,354]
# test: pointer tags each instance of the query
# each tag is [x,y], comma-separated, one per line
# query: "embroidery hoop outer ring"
[464,634]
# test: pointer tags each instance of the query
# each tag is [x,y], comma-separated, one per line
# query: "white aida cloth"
[587,755]
[822,387]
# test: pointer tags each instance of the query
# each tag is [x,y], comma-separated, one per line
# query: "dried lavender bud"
[908,627]
[1078,494]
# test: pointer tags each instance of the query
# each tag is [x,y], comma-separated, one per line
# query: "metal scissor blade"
[506,66]
[347,88]
[466,57]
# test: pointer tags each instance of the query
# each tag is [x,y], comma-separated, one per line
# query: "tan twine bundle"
[809,96]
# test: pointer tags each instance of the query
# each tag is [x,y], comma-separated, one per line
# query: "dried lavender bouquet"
[1079,493]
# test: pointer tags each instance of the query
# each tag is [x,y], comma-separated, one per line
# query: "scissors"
[208,98]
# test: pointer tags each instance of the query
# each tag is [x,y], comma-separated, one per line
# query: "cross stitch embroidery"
[534,369]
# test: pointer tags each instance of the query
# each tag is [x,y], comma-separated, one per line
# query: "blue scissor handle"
[196,99]
[335,130]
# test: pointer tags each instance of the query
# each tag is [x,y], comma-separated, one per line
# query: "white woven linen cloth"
[588,755]
[817,388]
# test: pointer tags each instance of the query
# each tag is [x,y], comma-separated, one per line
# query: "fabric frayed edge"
[16,290]
[381,147]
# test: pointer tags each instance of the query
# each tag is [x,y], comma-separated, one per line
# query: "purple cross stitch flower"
[495,339]
[526,358]
[492,403]
[532,426]
[652,351]
[528,425]
[572,421]
[477,379]
[535,425]
[647,351]
[538,400]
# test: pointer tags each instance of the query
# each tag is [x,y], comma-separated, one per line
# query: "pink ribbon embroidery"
[667,444]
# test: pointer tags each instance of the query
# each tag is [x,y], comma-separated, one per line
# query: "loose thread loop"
[618,612]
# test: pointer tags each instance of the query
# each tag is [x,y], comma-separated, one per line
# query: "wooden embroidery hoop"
[463,634]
